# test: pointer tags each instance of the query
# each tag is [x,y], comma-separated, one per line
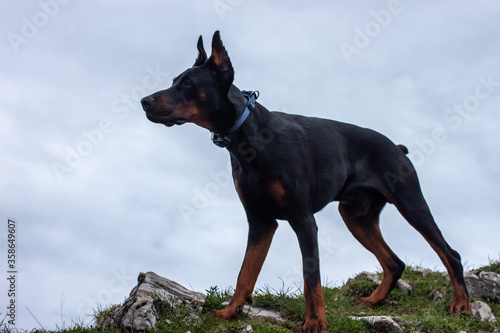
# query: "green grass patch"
[418,311]
[215,298]
[494,266]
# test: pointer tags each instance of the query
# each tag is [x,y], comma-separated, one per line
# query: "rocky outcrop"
[139,311]
[484,285]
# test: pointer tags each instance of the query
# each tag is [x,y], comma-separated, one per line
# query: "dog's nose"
[146,102]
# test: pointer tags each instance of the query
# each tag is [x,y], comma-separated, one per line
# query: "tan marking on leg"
[461,302]
[369,235]
[315,309]
[252,264]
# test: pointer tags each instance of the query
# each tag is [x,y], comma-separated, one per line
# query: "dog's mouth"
[166,119]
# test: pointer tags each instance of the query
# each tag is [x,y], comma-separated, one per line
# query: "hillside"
[419,305]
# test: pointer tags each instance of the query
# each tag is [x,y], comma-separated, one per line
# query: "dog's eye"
[186,83]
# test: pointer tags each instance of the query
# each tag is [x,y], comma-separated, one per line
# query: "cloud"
[69,97]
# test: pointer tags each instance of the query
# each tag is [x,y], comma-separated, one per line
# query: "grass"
[494,266]
[415,312]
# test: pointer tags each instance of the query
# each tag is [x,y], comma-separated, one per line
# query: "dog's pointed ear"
[221,59]
[202,55]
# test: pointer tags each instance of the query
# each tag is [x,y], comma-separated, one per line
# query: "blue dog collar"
[223,140]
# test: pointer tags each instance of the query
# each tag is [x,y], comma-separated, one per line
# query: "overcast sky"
[100,194]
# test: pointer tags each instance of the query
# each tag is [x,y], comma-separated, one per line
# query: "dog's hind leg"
[362,219]
[408,198]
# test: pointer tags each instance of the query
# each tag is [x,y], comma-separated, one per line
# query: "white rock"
[404,286]
[247,329]
[482,311]
[382,324]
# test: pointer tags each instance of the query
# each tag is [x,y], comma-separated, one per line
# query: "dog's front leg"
[260,235]
[307,233]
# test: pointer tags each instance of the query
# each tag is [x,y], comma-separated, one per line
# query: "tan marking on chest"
[239,191]
[277,192]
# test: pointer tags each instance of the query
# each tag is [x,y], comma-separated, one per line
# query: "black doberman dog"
[288,167]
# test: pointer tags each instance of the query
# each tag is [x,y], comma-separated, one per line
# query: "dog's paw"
[314,326]
[459,307]
[226,314]
[364,302]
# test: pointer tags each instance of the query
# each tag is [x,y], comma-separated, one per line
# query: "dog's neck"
[254,135]
[240,105]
